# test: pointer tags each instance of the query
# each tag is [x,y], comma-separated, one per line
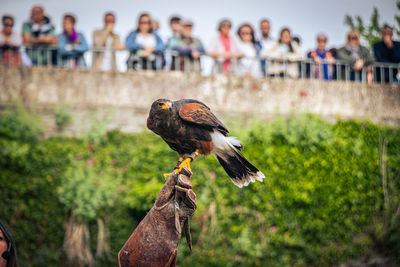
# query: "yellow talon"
[166,175]
[185,163]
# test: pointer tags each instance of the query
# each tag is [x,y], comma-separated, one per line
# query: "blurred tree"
[371,33]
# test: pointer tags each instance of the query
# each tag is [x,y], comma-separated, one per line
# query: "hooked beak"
[167,105]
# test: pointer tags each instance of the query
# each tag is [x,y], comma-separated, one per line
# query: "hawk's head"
[159,114]
[161,105]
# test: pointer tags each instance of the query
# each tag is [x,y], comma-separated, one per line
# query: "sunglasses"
[353,38]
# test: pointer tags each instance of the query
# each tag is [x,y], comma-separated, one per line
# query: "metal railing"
[172,61]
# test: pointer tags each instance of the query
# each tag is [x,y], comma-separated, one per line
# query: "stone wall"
[124,99]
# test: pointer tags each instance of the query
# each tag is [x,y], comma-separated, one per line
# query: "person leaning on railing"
[387,51]
[265,40]
[188,49]
[357,56]
[10,42]
[224,49]
[39,36]
[146,47]
[71,44]
[284,56]
[323,60]
[250,63]
[105,42]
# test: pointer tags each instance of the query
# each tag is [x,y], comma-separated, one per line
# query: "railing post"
[312,71]
[347,72]
[303,70]
[364,75]
[39,56]
[390,74]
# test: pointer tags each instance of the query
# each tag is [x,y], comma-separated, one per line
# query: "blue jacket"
[132,46]
[75,53]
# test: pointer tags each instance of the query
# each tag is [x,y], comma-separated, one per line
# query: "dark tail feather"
[239,169]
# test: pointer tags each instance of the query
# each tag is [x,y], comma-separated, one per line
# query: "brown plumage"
[188,126]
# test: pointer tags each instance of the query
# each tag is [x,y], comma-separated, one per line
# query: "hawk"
[190,128]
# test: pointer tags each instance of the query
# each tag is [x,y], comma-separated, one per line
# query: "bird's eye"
[160,104]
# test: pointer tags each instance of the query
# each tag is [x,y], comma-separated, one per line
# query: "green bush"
[321,202]
[63,118]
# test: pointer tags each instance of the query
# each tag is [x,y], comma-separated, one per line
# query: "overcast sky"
[306,18]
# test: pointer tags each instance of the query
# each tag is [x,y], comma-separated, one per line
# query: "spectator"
[323,59]
[249,63]
[357,56]
[155,25]
[189,49]
[266,39]
[284,55]
[224,48]
[265,28]
[387,51]
[8,251]
[146,47]
[72,44]
[39,34]
[10,42]
[297,40]
[175,24]
[105,42]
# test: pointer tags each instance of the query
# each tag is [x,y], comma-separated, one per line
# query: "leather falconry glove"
[155,240]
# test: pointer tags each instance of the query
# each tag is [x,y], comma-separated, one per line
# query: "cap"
[186,22]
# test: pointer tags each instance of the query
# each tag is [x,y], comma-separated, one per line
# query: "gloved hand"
[155,240]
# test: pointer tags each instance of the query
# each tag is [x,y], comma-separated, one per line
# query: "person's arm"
[82,46]
[213,49]
[117,43]
[50,38]
[64,47]
[345,56]
[271,52]
[160,47]
[100,38]
[175,45]
[26,34]
[131,44]
[296,55]
[14,40]
[367,56]
[200,47]
[394,53]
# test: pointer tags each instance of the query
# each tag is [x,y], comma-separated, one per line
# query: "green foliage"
[322,201]
[371,33]
[63,118]
[18,124]
[87,192]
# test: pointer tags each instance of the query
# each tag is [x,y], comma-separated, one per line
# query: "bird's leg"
[181,156]
[186,162]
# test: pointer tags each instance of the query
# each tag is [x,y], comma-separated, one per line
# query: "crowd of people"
[240,53]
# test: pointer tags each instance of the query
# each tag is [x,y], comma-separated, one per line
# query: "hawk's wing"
[200,114]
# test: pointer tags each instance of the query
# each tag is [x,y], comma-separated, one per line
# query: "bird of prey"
[189,127]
